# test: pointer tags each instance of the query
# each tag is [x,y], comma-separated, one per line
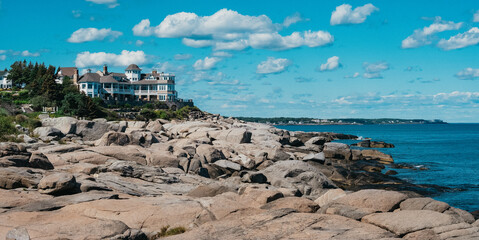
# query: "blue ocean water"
[450,151]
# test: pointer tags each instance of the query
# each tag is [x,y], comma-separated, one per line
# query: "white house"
[131,85]
[4,82]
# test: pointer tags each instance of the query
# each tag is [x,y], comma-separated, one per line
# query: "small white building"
[129,86]
[4,82]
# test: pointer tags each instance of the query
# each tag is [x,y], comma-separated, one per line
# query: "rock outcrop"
[210,178]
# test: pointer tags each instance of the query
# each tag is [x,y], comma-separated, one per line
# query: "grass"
[167,231]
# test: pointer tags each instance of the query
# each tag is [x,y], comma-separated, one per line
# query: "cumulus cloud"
[468,74]
[8,53]
[344,14]
[476,16]
[182,56]
[331,64]
[87,59]
[273,65]
[206,64]
[274,41]
[290,20]
[230,30]
[461,40]
[139,43]
[109,3]
[374,70]
[197,43]
[425,36]
[93,34]
[3,57]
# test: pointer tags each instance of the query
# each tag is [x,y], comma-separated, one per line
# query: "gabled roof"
[122,75]
[133,67]
[89,77]
[66,71]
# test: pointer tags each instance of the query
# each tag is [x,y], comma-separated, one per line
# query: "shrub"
[167,231]
[7,127]
[39,102]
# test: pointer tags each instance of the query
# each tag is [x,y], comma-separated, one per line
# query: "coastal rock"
[127,153]
[234,135]
[57,183]
[142,138]
[258,196]
[66,125]
[316,157]
[379,200]
[48,133]
[300,175]
[209,153]
[39,160]
[403,222]
[155,126]
[337,150]
[113,138]
[228,165]
[18,177]
[352,212]
[92,130]
[299,204]
[424,204]
[330,196]
[371,154]
[19,233]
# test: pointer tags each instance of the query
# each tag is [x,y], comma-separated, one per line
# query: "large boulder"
[424,204]
[92,130]
[234,135]
[209,153]
[48,133]
[337,150]
[330,196]
[18,177]
[379,200]
[300,175]
[229,165]
[371,154]
[113,138]
[142,138]
[66,125]
[57,183]
[39,160]
[403,222]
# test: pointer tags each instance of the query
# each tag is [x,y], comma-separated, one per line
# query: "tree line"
[43,91]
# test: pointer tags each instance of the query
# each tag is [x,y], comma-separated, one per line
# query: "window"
[90,86]
[83,85]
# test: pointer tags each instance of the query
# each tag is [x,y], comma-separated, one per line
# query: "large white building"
[4,82]
[129,86]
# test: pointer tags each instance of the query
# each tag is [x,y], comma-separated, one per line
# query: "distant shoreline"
[337,121]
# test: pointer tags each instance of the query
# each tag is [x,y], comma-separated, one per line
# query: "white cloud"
[222,54]
[197,43]
[27,53]
[355,75]
[3,57]
[139,43]
[274,41]
[273,65]
[76,13]
[87,59]
[182,56]
[374,70]
[230,30]
[476,16]
[331,64]
[290,20]
[206,64]
[461,40]
[345,15]
[93,34]
[468,74]
[169,67]
[424,36]
[232,45]
[221,23]
[110,3]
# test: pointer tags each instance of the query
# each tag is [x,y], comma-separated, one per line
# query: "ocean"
[449,151]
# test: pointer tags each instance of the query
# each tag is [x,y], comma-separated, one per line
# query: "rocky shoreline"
[210,178]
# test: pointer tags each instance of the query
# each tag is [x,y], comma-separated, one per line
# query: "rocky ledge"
[210,178]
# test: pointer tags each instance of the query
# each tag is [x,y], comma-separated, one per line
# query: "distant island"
[337,121]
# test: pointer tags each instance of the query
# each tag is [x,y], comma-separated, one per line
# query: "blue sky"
[325,59]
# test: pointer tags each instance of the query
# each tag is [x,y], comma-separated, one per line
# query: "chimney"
[105,70]
[75,77]
[154,72]
[88,70]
